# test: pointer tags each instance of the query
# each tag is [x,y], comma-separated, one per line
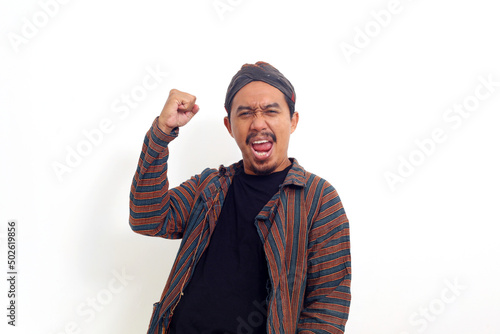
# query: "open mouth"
[262,149]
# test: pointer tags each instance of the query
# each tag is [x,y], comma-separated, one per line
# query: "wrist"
[163,127]
[164,133]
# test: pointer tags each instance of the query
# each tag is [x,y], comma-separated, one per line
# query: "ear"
[227,123]
[295,120]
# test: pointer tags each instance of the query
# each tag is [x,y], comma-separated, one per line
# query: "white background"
[359,115]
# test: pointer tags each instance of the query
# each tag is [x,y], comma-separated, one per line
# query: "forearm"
[149,195]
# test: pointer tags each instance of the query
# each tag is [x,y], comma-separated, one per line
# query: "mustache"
[261,134]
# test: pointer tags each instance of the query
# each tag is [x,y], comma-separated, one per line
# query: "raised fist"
[178,110]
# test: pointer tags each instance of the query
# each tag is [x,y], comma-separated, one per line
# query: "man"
[265,244]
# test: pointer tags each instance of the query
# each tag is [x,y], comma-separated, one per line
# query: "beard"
[264,170]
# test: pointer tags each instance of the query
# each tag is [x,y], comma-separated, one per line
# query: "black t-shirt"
[228,290]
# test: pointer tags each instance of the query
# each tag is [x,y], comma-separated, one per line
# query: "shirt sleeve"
[156,210]
[327,296]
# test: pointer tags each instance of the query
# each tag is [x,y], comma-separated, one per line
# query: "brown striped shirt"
[304,226]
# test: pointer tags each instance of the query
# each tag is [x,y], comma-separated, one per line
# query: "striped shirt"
[304,230]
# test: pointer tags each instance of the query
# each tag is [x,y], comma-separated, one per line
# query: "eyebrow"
[269,106]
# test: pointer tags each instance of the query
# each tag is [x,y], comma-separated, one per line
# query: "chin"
[263,169]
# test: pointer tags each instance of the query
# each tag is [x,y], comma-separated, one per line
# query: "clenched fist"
[178,110]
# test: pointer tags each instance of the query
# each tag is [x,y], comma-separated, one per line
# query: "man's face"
[261,125]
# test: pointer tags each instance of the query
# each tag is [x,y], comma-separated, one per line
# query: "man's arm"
[327,295]
[154,209]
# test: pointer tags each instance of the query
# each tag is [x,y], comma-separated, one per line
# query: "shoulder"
[298,175]
[318,193]
[214,175]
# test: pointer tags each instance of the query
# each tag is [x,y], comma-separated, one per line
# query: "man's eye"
[271,112]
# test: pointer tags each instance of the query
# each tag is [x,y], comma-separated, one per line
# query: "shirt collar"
[296,175]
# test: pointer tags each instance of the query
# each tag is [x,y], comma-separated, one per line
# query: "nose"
[258,122]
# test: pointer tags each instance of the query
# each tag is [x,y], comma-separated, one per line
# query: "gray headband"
[260,71]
